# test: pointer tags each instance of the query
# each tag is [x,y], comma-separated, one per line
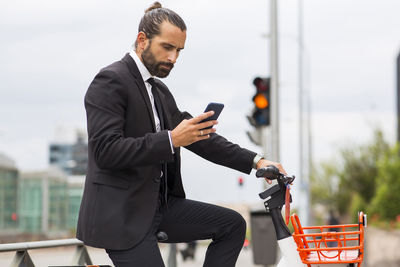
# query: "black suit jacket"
[125,156]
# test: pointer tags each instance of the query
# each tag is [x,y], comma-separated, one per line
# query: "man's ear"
[142,41]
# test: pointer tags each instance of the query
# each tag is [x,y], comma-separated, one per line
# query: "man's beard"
[155,68]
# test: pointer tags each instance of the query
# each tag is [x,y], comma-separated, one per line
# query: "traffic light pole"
[304,124]
[275,155]
[266,142]
[398,98]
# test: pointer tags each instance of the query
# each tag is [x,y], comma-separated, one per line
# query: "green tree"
[360,169]
[349,184]
[325,185]
[387,199]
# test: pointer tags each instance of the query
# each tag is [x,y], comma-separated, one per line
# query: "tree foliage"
[349,184]
[386,202]
[360,168]
[324,186]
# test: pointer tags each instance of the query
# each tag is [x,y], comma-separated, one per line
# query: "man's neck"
[142,68]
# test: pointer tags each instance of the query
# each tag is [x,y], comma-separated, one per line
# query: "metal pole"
[303,126]
[301,90]
[40,244]
[309,151]
[265,134]
[266,144]
[398,98]
[45,203]
[274,82]
[172,255]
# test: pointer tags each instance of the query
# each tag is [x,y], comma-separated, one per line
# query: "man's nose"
[173,56]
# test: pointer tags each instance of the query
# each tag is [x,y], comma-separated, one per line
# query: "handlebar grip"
[270,172]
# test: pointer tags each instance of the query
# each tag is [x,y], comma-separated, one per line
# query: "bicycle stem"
[275,199]
[281,229]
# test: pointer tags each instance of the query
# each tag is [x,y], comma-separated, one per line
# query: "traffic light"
[260,115]
[241,181]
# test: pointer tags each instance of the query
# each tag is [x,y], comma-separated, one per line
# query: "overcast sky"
[51,50]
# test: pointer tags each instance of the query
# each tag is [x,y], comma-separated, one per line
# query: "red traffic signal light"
[241,181]
[262,84]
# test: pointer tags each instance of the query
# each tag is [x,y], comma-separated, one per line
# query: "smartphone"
[217,108]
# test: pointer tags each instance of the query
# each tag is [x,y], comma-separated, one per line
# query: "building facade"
[72,158]
[43,201]
[8,194]
[75,192]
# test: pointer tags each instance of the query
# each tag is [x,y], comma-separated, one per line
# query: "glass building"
[8,194]
[75,192]
[43,201]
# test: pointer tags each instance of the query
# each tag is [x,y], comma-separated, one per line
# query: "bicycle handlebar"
[271,172]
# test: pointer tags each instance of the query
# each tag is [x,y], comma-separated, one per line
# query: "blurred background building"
[44,203]
[71,158]
[8,194]
[75,185]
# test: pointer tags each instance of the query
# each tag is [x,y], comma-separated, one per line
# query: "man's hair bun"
[154,16]
[153,6]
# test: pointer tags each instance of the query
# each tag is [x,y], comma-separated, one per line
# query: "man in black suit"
[133,186]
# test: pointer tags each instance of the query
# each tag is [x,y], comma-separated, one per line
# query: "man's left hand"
[264,163]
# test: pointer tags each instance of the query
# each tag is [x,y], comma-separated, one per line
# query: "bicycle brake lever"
[288,179]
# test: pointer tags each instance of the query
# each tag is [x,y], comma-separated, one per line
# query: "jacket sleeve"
[105,103]
[219,150]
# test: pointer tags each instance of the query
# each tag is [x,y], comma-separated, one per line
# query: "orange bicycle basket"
[322,245]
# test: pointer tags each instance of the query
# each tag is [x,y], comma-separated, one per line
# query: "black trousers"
[186,220]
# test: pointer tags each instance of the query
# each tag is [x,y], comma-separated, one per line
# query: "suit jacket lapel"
[145,95]
[133,69]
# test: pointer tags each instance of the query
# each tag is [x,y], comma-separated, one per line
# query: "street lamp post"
[275,155]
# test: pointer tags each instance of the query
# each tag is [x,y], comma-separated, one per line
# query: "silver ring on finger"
[201,132]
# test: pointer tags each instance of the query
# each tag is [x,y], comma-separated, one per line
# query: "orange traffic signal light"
[261,114]
[261,101]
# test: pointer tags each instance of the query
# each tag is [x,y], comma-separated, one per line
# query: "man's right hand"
[190,131]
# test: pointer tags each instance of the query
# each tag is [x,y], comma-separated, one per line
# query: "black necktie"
[157,103]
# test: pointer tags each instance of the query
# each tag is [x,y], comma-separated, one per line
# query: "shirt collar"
[142,68]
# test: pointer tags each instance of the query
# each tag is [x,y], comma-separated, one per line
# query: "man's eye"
[168,47]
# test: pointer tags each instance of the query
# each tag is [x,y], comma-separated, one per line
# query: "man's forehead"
[172,34]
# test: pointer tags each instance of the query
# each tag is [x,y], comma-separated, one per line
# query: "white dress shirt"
[146,75]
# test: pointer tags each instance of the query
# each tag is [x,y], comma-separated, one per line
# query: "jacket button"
[157,179]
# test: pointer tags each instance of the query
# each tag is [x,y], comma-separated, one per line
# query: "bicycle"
[310,249]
